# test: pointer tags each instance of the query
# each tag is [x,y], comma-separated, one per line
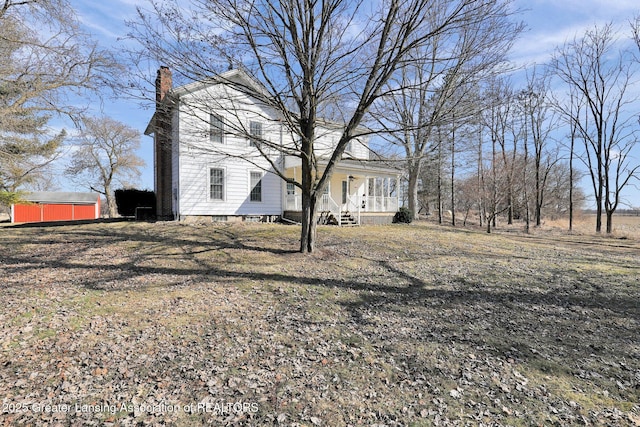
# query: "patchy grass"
[389,325]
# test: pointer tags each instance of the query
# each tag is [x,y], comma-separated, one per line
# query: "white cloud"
[538,47]
[106,19]
[552,23]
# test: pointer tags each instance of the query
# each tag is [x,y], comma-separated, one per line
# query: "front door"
[345,194]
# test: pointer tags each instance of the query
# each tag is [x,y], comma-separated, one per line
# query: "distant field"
[623,226]
[174,324]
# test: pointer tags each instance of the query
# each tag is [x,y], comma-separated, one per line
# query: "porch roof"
[373,167]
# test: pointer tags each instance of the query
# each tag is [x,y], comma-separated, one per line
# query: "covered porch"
[358,193]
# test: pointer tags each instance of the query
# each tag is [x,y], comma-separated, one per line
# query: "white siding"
[195,154]
[327,139]
[235,156]
[175,163]
[360,149]
[195,189]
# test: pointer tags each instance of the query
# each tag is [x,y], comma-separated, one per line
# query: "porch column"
[366,193]
[375,193]
[387,192]
[397,192]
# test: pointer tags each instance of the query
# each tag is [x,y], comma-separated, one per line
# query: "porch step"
[328,218]
[347,219]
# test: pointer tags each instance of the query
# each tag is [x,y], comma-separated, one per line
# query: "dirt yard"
[173,324]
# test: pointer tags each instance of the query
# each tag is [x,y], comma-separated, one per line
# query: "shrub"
[403,215]
[130,199]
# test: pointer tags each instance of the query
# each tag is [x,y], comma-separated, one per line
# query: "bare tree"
[440,171]
[438,82]
[467,195]
[105,156]
[312,60]
[561,193]
[570,109]
[541,121]
[500,120]
[496,186]
[593,67]
[45,58]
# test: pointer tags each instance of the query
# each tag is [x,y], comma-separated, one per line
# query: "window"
[379,189]
[256,187]
[255,132]
[216,128]
[349,148]
[291,189]
[327,188]
[216,184]
[345,191]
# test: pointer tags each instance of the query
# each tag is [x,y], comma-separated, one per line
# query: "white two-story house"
[220,154]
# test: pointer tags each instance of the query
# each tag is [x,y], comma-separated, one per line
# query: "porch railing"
[327,204]
[381,204]
[354,207]
[293,202]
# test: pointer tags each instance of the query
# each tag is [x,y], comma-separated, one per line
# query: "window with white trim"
[255,133]
[216,128]
[349,147]
[291,189]
[255,195]
[216,184]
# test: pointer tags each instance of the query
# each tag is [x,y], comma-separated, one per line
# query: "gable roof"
[240,78]
[235,76]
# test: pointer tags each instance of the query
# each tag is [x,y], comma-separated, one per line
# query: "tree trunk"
[599,214]
[601,183]
[309,222]
[111,202]
[609,222]
[480,172]
[494,184]
[439,200]
[538,199]
[453,175]
[525,186]
[440,204]
[412,190]
[440,196]
[309,197]
[571,178]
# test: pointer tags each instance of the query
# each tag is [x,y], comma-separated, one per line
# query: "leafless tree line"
[526,148]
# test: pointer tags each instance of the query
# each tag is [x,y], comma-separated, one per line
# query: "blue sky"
[550,23]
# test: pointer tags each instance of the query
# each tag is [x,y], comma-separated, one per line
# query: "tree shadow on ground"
[559,325]
[580,330]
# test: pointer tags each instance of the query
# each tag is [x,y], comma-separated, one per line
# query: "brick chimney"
[164,83]
[162,146]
